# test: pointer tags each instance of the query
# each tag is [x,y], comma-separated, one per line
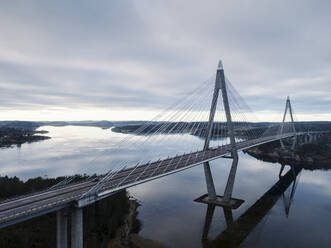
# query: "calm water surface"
[168,212]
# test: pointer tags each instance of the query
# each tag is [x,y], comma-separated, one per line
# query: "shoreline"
[309,156]
[10,137]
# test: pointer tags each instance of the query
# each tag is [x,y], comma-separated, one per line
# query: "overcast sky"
[116,60]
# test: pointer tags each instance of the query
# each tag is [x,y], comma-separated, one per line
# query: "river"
[168,213]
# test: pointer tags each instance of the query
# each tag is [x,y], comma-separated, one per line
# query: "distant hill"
[131,126]
[102,124]
[31,125]
[27,125]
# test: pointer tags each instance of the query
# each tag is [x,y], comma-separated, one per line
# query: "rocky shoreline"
[15,136]
[127,234]
[309,156]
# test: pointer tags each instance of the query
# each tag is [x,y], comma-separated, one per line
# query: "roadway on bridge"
[21,208]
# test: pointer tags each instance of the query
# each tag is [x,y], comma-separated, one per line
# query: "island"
[10,136]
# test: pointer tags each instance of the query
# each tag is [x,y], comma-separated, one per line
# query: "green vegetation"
[309,156]
[15,136]
[13,186]
[101,220]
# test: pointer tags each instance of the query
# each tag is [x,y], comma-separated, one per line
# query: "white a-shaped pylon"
[288,109]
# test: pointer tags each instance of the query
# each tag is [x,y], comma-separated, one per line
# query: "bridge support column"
[209,181]
[289,108]
[301,139]
[61,229]
[310,138]
[211,197]
[77,228]
[232,175]
[281,171]
[314,138]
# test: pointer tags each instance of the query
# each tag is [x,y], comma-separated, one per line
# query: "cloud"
[138,55]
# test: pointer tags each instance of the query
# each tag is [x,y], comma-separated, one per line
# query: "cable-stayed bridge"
[225,129]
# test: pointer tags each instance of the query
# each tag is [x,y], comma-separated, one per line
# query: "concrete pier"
[209,181]
[209,178]
[288,108]
[211,198]
[77,228]
[61,229]
[232,175]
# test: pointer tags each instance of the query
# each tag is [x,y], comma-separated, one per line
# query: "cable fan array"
[152,147]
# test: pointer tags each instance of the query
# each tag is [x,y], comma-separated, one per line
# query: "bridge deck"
[29,206]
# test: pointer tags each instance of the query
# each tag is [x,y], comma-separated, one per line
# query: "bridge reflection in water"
[237,231]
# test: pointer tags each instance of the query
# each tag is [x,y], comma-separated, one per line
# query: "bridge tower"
[211,197]
[288,107]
